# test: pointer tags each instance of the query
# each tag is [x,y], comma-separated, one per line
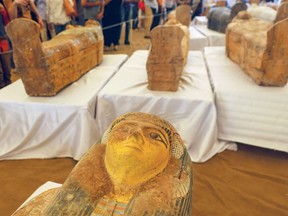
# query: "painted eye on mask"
[157,137]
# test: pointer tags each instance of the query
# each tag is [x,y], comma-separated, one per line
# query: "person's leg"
[80,19]
[156,18]
[107,37]
[59,28]
[5,76]
[128,16]
[2,82]
[135,15]
[139,19]
[117,29]
[51,30]
[148,21]
[6,65]
[117,34]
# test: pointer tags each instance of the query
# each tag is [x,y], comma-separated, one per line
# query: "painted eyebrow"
[118,125]
[148,127]
[165,141]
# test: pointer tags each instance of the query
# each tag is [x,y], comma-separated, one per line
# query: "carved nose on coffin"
[136,136]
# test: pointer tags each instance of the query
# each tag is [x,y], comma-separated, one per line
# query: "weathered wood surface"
[282,11]
[237,8]
[185,42]
[260,48]
[182,14]
[48,67]
[167,56]
[93,188]
[220,17]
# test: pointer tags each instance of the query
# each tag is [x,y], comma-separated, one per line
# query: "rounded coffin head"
[139,147]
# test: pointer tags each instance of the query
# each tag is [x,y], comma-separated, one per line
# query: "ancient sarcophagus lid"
[141,167]
[167,57]
[260,47]
[48,67]
[182,14]
[220,17]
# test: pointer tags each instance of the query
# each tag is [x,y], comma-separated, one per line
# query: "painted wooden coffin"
[140,168]
[182,14]
[220,17]
[48,67]
[260,47]
[167,56]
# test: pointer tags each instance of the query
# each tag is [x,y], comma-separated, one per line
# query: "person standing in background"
[156,15]
[41,7]
[23,8]
[169,5]
[198,9]
[135,16]
[56,15]
[80,18]
[111,23]
[5,48]
[141,14]
[129,9]
[11,10]
[93,9]
[151,6]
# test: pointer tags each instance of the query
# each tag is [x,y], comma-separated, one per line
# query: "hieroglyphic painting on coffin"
[140,168]
[46,68]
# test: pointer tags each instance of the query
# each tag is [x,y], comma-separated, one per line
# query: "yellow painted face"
[136,151]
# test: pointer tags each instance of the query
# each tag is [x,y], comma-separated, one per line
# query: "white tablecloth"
[59,126]
[214,38]
[191,109]
[197,40]
[247,113]
[200,20]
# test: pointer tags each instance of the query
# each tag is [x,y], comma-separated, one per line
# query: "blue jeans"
[156,17]
[59,28]
[129,11]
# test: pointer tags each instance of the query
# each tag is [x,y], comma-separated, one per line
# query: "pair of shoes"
[127,43]
[106,48]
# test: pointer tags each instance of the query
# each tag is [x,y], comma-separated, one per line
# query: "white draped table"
[197,40]
[59,126]
[200,20]
[191,109]
[214,38]
[247,113]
